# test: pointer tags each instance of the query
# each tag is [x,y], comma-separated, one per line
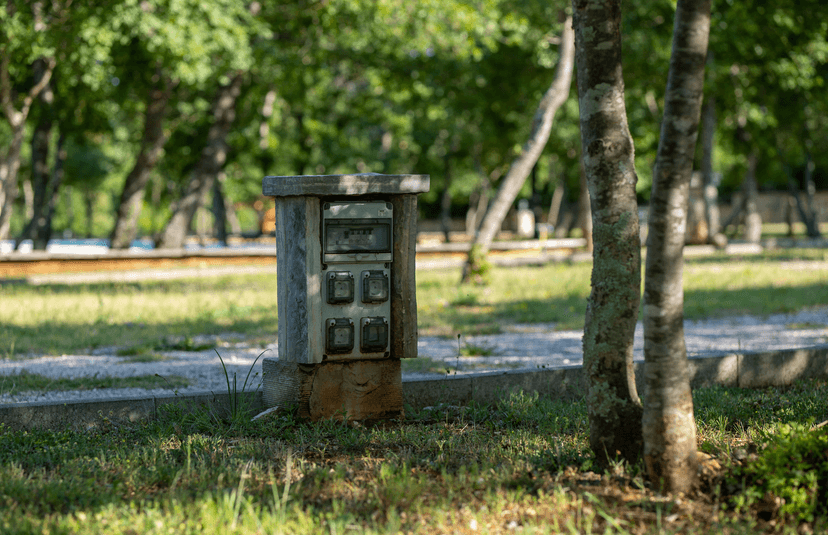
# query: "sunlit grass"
[34,382]
[54,319]
[522,464]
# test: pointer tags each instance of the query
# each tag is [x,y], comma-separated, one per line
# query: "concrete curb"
[86,415]
[746,370]
[757,369]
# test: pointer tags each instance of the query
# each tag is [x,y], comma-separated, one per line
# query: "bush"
[791,471]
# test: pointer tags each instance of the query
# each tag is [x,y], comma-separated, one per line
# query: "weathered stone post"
[346,293]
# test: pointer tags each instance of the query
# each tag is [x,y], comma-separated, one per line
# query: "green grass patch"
[424,365]
[805,326]
[57,319]
[522,463]
[715,286]
[477,350]
[33,382]
[143,358]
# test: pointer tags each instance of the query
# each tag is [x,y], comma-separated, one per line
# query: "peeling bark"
[608,162]
[668,426]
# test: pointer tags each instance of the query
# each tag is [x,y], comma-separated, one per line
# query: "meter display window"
[374,335]
[357,235]
[340,335]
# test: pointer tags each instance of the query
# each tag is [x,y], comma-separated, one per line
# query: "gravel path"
[520,346]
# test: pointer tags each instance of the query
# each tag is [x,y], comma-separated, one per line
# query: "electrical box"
[346,293]
[355,280]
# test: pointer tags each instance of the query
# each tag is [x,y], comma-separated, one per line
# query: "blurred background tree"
[446,88]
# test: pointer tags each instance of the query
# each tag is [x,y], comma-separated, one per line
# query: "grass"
[56,319]
[521,464]
[33,382]
[718,285]
[474,350]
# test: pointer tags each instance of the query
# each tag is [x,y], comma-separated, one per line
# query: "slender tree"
[213,157]
[152,145]
[668,426]
[555,96]
[44,181]
[608,159]
[23,25]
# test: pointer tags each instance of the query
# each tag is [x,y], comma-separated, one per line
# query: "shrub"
[791,471]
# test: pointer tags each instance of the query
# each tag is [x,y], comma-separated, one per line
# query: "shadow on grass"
[568,313]
[62,338]
[468,317]
[223,283]
[759,301]
[768,256]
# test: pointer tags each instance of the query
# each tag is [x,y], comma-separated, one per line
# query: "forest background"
[120,121]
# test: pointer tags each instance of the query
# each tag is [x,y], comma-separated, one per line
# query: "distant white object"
[90,246]
[75,248]
[525,220]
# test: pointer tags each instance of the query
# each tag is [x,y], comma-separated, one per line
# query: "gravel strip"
[520,346]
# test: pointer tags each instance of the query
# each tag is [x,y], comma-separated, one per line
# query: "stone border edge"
[746,370]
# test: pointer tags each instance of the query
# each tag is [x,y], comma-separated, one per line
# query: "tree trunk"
[219,210]
[66,193]
[46,183]
[43,182]
[28,199]
[668,425]
[555,96]
[445,201]
[43,231]
[89,206]
[812,223]
[753,221]
[806,208]
[478,202]
[10,160]
[152,145]
[557,200]
[213,157]
[608,161]
[585,210]
[710,182]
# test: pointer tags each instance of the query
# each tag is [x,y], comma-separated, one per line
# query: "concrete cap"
[360,184]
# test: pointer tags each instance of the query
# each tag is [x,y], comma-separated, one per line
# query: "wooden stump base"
[362,390]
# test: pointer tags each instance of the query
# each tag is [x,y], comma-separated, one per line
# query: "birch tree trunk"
[152,146]
[608,160]
[208,167]
[555,96]
[668,425]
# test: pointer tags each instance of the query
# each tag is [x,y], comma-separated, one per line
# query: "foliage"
[389,86]
[793,468]
[239,401]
